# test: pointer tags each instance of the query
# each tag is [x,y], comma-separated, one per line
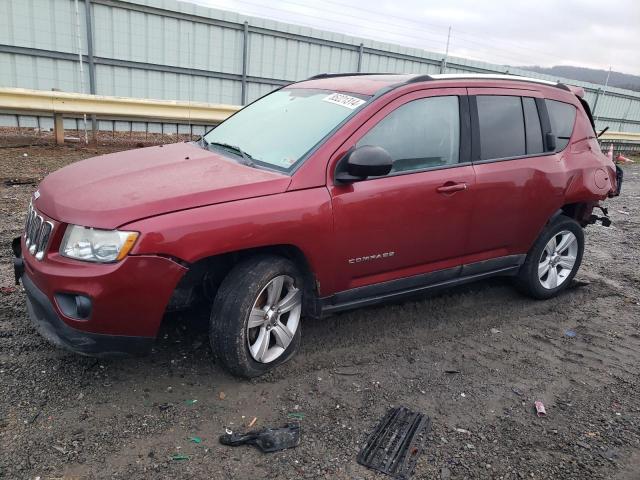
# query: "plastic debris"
[570,333]
[396,443]
[222,395]
[452,371]
[191,402]
[252,422]
[540,410]
[495,330]
[195,439]
[623,159]
[266,439]
[7,290]
[517,391]
[178,457]
[462,430]
[296,415]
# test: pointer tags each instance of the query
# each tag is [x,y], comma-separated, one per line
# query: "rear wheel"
[553,260]
[255,320]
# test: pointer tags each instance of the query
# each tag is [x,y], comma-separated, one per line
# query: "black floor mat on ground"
[395,444]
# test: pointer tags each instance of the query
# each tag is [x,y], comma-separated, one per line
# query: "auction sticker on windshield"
[344,100]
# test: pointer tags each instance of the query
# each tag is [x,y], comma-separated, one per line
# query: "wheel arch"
[206,274]
[578,211]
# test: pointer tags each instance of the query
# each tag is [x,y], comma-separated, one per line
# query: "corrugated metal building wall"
[166,49]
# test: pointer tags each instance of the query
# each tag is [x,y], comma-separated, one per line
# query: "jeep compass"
[332,193]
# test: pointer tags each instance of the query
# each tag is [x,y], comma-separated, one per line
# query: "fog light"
[74,306]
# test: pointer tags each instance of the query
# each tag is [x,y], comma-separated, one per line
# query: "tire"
[532,280]
[248,330]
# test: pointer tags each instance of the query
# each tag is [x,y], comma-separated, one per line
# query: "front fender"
[300,218]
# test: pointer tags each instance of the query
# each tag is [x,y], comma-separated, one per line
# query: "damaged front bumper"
[113,321]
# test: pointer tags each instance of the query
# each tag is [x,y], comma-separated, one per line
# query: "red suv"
[332,193]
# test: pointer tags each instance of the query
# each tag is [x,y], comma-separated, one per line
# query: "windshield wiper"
[246,158]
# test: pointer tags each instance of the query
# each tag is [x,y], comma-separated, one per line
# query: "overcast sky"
[588,33]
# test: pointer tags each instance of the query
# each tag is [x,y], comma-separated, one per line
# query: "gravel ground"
[67,416]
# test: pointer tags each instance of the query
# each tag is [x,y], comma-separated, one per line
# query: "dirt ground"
[66,416]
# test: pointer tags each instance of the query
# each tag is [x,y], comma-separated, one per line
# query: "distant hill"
[617,79]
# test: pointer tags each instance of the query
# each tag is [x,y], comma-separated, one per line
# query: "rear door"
[416,219]
[518,184]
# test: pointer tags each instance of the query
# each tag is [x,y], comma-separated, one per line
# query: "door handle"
[450,187]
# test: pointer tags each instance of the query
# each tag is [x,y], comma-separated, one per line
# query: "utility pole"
[595,103]
[443,65]
[86,137]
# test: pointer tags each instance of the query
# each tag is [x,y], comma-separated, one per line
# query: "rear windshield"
[278,130]
[562,117]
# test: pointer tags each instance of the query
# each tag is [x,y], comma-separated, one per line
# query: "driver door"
[415,220]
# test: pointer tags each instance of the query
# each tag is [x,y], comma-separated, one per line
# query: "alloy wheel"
[274,319]
[558,259]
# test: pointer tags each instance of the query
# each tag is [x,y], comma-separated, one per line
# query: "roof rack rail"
[484,76]
[420,78]
[346,74]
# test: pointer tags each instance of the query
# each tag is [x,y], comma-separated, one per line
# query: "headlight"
[93,245]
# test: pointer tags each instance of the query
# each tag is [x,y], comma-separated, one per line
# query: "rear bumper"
[50,326]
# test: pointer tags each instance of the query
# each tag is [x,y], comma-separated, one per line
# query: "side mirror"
[362,162]
[550,142]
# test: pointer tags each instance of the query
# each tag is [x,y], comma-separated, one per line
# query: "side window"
[532,126]
[562,117]
[421,134]
[501,124]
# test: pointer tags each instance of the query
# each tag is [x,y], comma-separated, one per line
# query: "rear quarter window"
[562,117]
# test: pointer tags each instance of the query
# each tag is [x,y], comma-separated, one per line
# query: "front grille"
[37,232]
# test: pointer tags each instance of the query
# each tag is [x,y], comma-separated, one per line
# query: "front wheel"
[553,260]
[255,320]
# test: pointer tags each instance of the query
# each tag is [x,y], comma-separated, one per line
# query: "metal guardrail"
[61,104]
[621,136]
[623,142]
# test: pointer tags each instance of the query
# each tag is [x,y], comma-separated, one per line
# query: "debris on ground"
[7,290]
[252,422]
[296,415]
[495,330]
[267,439]
[179,457]
[191,402]
[540,410]
[222,395]
[396,442]
[195,439]
[570,333]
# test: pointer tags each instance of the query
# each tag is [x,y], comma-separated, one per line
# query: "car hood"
[111,190]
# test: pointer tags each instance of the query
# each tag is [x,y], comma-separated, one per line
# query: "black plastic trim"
[427,282]
[475,128]
[545,123]
[465,130]
[492,264]
[506,159]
